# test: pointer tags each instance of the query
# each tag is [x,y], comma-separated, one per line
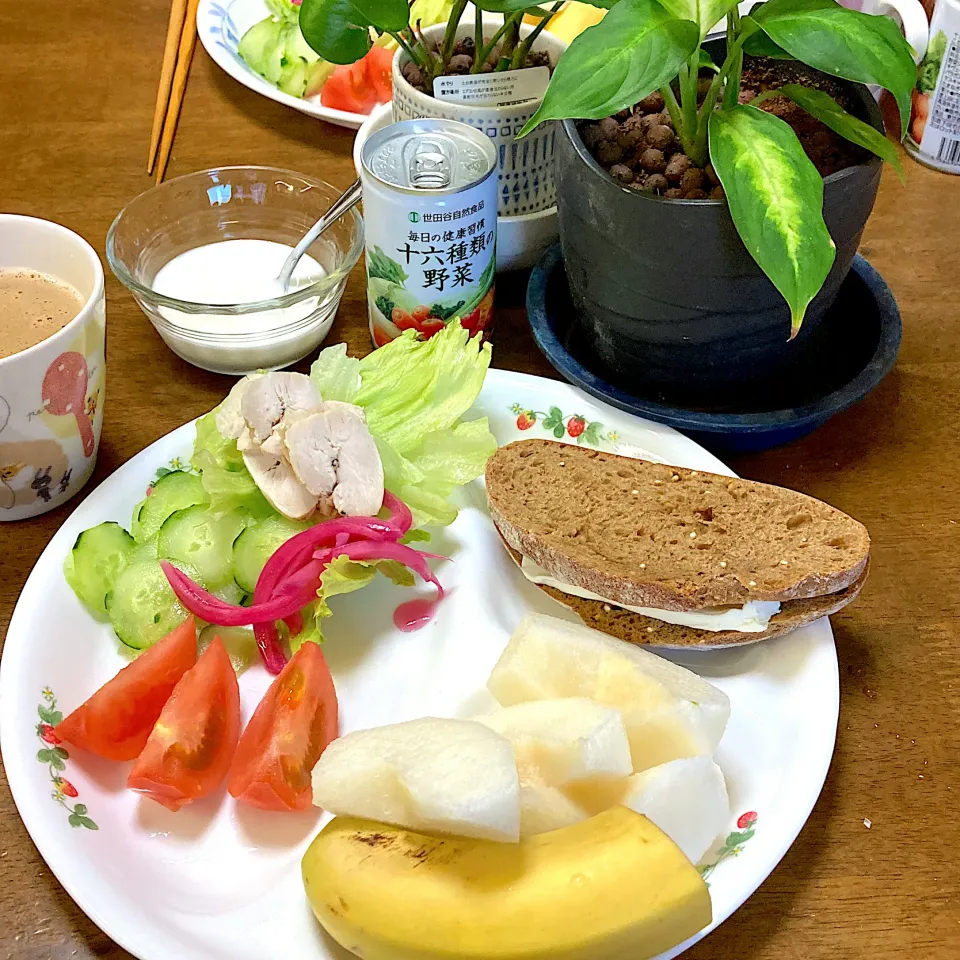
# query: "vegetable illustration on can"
[933,136]
[430,210]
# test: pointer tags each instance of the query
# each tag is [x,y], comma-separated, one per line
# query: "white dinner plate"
[221,24]
[218,881]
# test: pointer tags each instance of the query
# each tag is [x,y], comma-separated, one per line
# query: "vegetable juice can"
[933,137]
[430,212]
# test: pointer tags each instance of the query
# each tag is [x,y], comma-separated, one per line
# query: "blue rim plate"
[551,314]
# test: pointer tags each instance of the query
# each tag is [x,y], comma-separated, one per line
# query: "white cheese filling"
[752,617]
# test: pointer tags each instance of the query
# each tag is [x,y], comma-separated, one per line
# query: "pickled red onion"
[400,515]
[299,590]
[291,577]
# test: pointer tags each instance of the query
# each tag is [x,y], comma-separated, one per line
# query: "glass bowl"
[233,203]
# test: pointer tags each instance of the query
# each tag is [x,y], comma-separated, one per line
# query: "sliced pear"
[668,711]
[448,776]
[544,808]
[687,799]
[566,739]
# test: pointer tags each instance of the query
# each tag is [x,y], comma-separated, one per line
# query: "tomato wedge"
[190,749]
[116,721]
[379,64]
[349,88]
[290,728]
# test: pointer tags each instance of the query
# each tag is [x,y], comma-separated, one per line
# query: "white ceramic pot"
[526,182]
[521,240]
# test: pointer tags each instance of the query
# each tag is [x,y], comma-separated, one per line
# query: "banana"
[612,887]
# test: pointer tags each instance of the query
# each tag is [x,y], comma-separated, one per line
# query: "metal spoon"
[347,201]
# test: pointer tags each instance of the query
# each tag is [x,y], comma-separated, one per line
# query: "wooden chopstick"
[174,29]
[188,43]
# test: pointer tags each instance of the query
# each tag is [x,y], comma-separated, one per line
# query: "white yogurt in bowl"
[235,272]
[202,255]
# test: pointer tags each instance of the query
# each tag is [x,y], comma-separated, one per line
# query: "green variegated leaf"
[760,45]
[775,196]
[339,30]
[843,43]
[704,13]
[635,49]
[828,111]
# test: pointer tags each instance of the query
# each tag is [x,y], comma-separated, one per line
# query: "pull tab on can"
[442,157]
[428,163]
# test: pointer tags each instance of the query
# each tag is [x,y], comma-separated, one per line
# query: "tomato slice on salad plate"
[288,731]
[117,720]
[193,742]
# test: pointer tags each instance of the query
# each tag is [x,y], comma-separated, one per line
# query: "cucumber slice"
[230,592]
[297,46]
[94,563]
[258,47]
[142,607]
[175,491]
[254,547]
[203,539]
[293,78]
[239,642]
[144,551]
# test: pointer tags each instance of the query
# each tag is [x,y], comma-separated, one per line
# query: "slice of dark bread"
[650,535]
[635,628]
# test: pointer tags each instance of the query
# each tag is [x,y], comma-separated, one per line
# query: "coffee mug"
[51,394]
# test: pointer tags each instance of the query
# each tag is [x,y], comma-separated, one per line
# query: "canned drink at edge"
[430,215]
[933,137]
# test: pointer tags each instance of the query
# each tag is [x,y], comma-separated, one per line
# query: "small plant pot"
[526,168]
[668,295]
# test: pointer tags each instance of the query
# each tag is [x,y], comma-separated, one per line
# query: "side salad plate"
[221,880]
[221,25]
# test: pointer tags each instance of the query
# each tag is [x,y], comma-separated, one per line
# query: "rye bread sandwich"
[671,557]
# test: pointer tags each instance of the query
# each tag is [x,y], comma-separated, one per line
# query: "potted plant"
[702,244]
[340,32]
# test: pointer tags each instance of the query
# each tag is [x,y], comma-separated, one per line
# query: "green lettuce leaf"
[284,10]
[222,471]
[411,387]
[344,576]
[336,375]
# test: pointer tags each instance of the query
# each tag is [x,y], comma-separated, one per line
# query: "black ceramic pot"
[667,293]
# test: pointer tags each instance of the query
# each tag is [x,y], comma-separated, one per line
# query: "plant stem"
[734,60]
[509,42]
[673,108]
[477,40]
[688,99]
[481,55]
[731,91]
[520,56]
[450,34]
[703,120]
[410,52]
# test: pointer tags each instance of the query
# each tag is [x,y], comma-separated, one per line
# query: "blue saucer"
[866,339]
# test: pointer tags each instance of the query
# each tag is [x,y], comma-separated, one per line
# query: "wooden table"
[875,871]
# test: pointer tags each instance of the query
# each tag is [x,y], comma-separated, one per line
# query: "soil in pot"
[462,60]
[640,150]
